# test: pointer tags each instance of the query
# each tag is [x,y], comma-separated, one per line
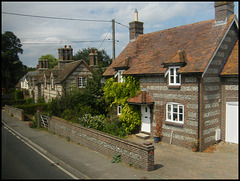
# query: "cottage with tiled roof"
[189,74]
[67,75]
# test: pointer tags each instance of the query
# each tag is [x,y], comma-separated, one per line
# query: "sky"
[91,23]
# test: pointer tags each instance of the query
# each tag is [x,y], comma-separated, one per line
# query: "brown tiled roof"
[231,66]
[141,98]
[149,51]
[69,68]
[61,74]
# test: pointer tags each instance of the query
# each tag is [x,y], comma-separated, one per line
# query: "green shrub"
[29,101]
[18,94]
[32,108]
[13,102]
[116,158]
[117,94]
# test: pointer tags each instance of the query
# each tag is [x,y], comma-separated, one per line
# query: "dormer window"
[174,77]
[179,59]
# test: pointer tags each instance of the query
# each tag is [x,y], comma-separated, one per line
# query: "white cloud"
[155,15]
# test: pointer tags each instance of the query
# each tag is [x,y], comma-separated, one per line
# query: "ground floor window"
[119,109]
[175,112]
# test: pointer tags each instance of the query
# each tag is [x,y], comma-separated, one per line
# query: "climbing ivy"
[117,94]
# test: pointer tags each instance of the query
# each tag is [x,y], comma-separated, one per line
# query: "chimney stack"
[93,58]
[65,56]
[223,10]
[135,27]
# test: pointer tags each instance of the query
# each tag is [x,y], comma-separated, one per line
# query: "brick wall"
[140,156]
[15,112]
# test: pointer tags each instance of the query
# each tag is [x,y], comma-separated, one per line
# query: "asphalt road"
[19,161]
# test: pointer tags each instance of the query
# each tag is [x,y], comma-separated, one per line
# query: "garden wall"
[17,113]
[139,156]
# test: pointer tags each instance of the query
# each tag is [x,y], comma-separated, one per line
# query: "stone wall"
[212,96]
[140,156]
[15,112]
[187,95]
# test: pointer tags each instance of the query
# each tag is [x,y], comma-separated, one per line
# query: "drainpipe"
[199,113]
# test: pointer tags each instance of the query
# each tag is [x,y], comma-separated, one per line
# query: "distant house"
[67,75]
[188,77]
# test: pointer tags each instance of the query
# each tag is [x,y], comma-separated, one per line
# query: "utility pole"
[113,39]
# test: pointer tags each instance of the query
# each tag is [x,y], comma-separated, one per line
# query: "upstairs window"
[119,76]
[174,77]
[82,82]
[175,112]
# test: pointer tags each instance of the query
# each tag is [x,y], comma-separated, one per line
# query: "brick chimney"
[65,53]
[223,10]
[43,64]
[65,56]
[135,27]
[93,58]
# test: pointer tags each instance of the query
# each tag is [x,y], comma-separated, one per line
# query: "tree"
[52,60]
[104,59]
[12,67]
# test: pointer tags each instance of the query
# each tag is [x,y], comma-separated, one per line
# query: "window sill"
[174,86]
[173,124]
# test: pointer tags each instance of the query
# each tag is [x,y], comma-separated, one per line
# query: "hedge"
[13,102]
[32,108]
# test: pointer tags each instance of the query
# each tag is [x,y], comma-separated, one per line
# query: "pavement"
[171,162]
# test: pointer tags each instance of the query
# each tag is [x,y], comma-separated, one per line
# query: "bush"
[101,123]
[29,101]
[18,94]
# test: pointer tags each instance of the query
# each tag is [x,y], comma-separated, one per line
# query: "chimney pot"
[65,46]
[136,15]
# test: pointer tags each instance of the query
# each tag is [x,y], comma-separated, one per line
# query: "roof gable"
[231,66]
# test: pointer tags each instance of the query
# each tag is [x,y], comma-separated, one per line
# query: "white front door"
[146,124]
[231,130]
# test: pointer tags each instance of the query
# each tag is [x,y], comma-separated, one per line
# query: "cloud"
[155,15]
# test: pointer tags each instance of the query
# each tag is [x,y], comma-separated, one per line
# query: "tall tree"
[12,67]
[104,59]
[52,60]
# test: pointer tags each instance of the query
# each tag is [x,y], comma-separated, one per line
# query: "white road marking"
[44,156]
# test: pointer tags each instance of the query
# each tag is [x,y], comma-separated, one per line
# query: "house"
[188,77]
[67,75]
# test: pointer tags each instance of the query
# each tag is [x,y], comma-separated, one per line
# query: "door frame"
[149,107]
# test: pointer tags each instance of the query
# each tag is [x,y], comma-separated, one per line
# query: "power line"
[48,17]
[105,37]
[121,24]
[78,41]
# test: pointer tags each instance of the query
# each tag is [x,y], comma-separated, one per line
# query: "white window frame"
[119,110]
[174,75]
[171,114]
[82,82]
[119,76]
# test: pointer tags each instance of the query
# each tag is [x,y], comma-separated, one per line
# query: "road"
[19,161]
